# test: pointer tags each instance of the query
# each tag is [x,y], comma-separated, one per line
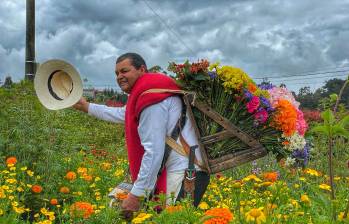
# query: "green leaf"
[200,77]
[340,131]
[321,129]
[344,122]
[328,117]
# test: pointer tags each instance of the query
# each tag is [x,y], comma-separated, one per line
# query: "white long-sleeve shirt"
[155,123]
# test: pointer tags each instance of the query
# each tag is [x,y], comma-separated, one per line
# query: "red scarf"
[135,104]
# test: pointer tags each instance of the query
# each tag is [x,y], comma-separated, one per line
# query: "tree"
[8,82]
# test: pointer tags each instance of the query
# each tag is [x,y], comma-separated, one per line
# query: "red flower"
[253,104]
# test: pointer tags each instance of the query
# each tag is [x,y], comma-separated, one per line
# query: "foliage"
[75,158]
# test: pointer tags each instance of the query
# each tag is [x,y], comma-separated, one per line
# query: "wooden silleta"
[255,151]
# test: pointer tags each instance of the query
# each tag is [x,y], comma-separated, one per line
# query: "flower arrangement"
[267,113]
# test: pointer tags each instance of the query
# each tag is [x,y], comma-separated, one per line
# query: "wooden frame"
[255,151]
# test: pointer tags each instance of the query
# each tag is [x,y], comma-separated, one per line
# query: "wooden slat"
[225,123]
[197,132]
[238,160]
[216,137]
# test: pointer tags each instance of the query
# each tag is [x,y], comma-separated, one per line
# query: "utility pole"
[30,65]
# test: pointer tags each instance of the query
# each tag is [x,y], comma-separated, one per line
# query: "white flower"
[296,141]
[290,161]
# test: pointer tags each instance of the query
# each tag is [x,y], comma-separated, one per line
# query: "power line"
[168,27]
[300,74]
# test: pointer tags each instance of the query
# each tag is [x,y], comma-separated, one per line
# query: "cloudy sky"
[288,42]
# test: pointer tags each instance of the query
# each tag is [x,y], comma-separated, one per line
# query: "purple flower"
[265,102]
[212,75]
[302,155]
[266,86]
[248,95]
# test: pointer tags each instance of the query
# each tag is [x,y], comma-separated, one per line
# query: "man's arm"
[111,114]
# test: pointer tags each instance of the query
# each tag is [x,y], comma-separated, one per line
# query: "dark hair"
[136,60]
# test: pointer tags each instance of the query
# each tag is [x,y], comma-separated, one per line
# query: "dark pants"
[201,182]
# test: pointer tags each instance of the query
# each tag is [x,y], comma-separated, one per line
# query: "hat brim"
[42,88]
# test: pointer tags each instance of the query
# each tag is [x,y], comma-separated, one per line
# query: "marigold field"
[59,166]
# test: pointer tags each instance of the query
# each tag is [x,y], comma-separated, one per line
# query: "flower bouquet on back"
[267,113]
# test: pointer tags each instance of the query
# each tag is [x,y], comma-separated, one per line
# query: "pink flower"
[253,104]
[277,93]
[261,116]
[301,124]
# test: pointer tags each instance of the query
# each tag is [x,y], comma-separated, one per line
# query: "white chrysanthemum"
[290,161]
[295,141]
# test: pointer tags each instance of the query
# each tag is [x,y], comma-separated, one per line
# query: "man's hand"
[129,205]
[82,105]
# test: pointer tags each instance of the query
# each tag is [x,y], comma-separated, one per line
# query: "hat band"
[50,86]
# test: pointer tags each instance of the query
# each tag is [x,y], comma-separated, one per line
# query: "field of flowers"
[58,167]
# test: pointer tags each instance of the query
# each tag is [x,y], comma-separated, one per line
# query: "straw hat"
[57,84]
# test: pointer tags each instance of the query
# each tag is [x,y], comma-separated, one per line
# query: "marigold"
[216,220]
[36,189]
[64,190]
[173,208]
[71,175]
[87,177]
[271,176]
[224,213]
[11,160]
[81,209]
[54,201]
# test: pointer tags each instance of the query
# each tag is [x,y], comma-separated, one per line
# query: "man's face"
[127,74]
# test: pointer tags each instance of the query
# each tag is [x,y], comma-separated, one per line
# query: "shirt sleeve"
[152,132]
[111,114]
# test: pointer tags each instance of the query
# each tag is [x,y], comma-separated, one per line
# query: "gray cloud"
[265,38]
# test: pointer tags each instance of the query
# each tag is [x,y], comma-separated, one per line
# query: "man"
[149,118]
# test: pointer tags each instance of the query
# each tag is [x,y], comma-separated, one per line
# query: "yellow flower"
[24,168]
[312,172]
[1,212]
[305,199]
[336,178]
[255,215]
[30,173]
[141,218]
[18,210]
[325,187]
[251,177]
[341,217]
[302,179]
[11,181]
[296,186]
[97,179]
[203,205]
[294,203]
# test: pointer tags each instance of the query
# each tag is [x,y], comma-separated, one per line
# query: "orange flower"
[36,189]
[216,220]
[285,118]
[64,190]
[271,176]
[87,177]
[81,209]
[221,213]
[70,176]
[252,87]
[120,196]
[54,201]
[11,160]
[173,208]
